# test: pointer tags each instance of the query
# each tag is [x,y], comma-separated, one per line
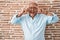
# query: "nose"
[32,9]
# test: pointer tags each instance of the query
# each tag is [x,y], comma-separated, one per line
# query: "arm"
[16,20]
[52,18]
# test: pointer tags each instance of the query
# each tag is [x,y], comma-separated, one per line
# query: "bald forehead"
[33,4]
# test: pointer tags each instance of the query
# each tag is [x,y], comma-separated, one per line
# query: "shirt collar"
[35,15]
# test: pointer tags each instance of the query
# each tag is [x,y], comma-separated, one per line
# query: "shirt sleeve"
[16,20]
[52,19]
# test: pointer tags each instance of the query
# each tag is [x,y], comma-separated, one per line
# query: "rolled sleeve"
[52,19]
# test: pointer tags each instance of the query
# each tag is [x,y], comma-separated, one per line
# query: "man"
[34,23]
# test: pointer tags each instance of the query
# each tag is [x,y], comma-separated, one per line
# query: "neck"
[32,15]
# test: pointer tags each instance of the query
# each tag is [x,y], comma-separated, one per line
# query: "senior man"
[33,23]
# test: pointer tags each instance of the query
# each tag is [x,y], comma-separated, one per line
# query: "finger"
[39,10]
[25,9]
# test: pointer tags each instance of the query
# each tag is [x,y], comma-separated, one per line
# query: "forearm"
[14,19]
[52,18]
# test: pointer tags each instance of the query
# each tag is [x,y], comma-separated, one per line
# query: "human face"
[33,9]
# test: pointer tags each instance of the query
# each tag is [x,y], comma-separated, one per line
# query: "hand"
[45,11]
[39,10]
[20,13]
[42,11]
[24,10]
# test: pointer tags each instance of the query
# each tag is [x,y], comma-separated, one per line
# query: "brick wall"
[14,32]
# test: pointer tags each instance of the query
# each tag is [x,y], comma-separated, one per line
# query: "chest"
[33,24]
[38,20]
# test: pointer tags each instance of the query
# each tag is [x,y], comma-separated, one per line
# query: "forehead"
[32,4]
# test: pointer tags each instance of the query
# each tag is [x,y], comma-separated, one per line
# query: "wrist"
[17,15]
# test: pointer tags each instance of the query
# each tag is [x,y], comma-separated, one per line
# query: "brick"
[14,32]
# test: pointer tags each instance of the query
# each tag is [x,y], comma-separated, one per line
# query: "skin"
[33,10]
